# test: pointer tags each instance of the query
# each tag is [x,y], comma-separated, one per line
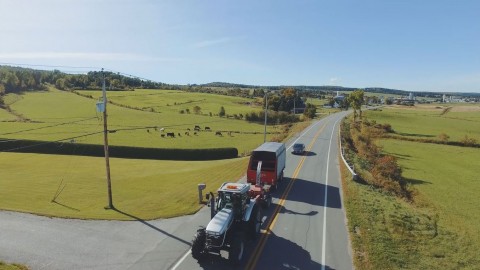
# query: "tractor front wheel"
[237,249]
[198,244]
[255,222]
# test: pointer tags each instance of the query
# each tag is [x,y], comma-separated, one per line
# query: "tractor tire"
[268,201]
[198,244]
[255,222]
[237,249]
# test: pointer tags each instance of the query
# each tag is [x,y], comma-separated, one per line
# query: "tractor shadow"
[281,253]
[310,192]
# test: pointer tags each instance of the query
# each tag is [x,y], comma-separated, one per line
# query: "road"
[306,224]
[303,229]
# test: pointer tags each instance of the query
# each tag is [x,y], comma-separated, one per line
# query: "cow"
[218,133]
[187,133]
[207,128]
[197,127]
[171,134]
[188,129]
[179,135]
[195,133]
[148,130]
[162,135]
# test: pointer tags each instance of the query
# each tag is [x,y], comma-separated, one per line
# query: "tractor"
[235,218]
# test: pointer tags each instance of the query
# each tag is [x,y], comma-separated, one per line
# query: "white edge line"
[181,260]
[325,200]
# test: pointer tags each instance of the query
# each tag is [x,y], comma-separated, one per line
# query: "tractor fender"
[248,211]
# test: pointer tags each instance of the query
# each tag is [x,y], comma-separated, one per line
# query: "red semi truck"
[273,157]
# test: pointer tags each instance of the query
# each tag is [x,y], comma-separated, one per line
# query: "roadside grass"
[14,266]
[429,122]
[147,189]
[439,229]
[54,107]
[6,116]
[389,233]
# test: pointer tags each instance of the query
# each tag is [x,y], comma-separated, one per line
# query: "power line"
[50,66]
[60,140]
[59,124]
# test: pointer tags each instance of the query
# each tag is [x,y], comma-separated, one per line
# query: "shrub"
[443,137]
[468,141]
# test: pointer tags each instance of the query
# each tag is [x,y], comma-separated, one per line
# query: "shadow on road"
[311,192]
[281,253]
[151,226]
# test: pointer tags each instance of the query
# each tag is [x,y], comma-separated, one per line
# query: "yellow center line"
[265,233]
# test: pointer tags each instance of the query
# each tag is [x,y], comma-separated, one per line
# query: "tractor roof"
[234,187]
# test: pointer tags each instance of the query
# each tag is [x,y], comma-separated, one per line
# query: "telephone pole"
[105,144]
[265,126]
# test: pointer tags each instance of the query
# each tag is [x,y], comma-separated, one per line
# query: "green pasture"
[439,230]
[147,189]
[49,111]
[429,122]
[172,101]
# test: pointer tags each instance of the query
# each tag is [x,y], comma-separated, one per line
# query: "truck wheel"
[198,244]
[255,222]
[237,249]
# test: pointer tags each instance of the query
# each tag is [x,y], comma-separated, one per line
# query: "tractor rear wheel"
[198,244]
[237,248]
[255,222]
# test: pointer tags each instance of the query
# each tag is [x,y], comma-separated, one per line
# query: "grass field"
[439,230]
[48,110]
[146,189]
[7,266]
[429,121]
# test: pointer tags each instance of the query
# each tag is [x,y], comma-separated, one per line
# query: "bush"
[96,150]
[468,141]
[443,137]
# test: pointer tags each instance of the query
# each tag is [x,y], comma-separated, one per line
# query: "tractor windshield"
[225,200]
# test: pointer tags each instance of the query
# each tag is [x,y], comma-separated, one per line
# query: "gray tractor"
[236,217]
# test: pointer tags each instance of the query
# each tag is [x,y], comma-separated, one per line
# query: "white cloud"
[212,42]
[334,81]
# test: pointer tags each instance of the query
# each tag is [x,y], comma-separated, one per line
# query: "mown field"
[146,189]
[8,266]
[56,115]
[429,121]
[439,229]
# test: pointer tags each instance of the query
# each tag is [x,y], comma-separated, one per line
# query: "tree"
[355,99]
[222,112]
[197,109]
[310,111]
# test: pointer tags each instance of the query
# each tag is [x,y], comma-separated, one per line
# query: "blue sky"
[404,44]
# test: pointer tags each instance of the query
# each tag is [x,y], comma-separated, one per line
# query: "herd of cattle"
[196,130]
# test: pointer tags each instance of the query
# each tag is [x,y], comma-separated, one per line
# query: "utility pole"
[265,130]
[294,96]
[105,138]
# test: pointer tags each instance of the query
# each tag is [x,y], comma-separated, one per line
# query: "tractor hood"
[220,222]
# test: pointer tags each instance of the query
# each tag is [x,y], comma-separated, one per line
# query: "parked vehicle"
[298,148]
[273,158]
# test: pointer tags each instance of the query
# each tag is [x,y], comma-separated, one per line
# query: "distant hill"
[19,79]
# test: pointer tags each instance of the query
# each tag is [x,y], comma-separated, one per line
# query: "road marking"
[294,142]
[325,200]
[181,260]
[263,240]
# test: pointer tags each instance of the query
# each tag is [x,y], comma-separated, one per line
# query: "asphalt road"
[303,229]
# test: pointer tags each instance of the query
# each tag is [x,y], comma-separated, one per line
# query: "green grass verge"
[14,266]
[147,189]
